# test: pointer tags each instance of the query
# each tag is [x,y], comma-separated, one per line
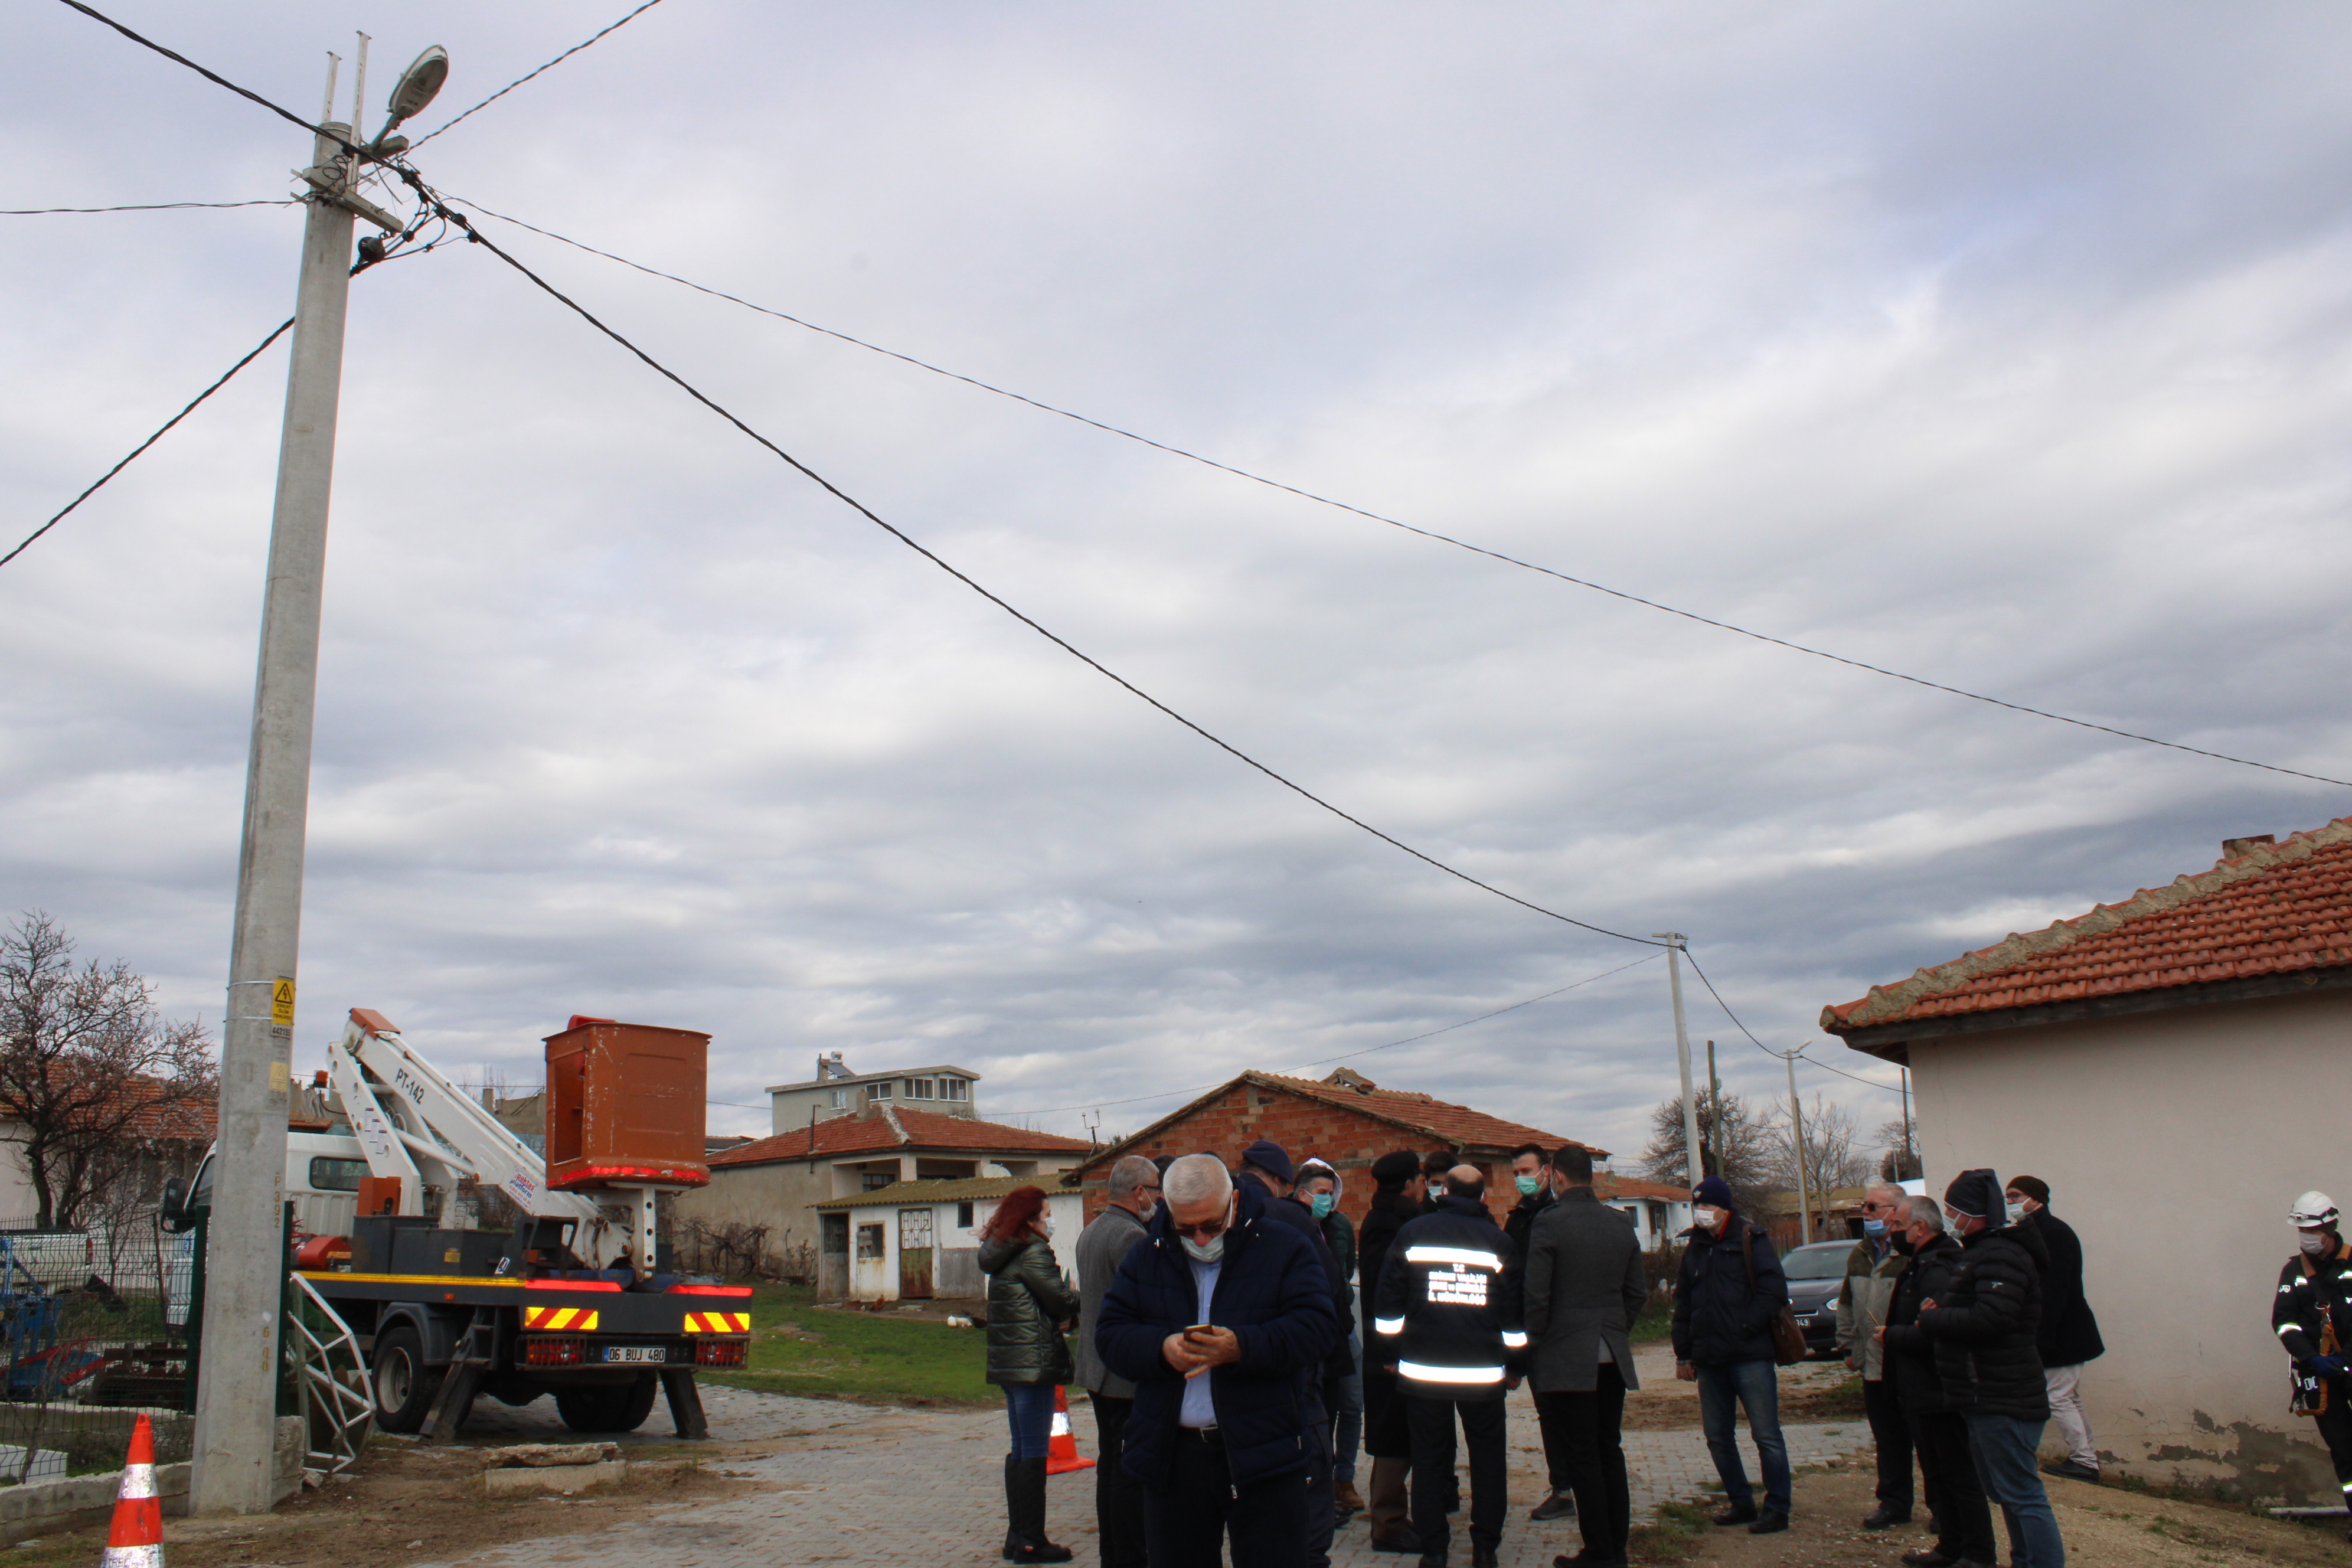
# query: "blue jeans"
[1757,1385]
[2003,1449]
[1345,1397]
[1029,1407]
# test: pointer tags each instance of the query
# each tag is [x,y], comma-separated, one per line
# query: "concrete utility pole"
[244,1259]
[1796,1125]
[1693,1150]
[1713,1109]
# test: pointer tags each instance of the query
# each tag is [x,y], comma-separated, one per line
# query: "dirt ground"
[1812,1391]
[411,1503]
[2103,1527]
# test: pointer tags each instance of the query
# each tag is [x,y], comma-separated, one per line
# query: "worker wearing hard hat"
[2311,1313]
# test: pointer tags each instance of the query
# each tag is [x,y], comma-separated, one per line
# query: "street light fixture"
[417,87]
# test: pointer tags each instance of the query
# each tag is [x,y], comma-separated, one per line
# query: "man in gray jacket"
[1872,1269]
[1585,1286]
[1134,1192]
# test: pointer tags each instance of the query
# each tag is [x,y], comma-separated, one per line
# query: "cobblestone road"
[858,1486]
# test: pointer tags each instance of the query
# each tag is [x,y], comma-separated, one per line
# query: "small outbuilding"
[915,1241]
[2173,1066]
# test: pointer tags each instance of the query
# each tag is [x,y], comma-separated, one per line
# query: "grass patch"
[1841,1402]
[1656,1323]
[1673,1535]
[799,1347]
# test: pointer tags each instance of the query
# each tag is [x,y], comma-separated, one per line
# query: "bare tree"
[1828,1153]
[1900,1162]
[92,1075]
[1736,1143]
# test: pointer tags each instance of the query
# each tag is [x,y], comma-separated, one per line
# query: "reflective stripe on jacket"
[1448,1307]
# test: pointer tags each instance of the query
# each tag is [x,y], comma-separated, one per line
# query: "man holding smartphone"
[1222,1319]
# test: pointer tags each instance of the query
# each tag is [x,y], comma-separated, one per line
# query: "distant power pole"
[1714,1110]
[1693,1150]
[245,1258]
[1797,1126]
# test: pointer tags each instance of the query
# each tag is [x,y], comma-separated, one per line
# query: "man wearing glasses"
[1133,1190]
[1222,1319]
[1871,1272]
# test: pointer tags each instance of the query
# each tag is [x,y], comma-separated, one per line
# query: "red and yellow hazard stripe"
[582,1320]
[718,1323]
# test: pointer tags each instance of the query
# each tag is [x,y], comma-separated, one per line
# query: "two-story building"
[837,1091]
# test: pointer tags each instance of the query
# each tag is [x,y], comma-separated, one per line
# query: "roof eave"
[1891,1041]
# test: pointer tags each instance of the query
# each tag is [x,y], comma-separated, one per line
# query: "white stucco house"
[2173,1066]
[918,1241]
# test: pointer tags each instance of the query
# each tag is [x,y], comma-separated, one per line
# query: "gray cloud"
[2002,346]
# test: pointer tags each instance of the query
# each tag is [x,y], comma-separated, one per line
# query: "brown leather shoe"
[1345,1495]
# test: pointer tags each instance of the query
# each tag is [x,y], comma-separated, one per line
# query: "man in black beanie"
[1983,1327]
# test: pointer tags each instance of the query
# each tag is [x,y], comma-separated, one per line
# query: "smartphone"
[1198,1328]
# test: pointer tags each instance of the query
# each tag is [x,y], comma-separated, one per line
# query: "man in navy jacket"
[1447,1311]
[1222,1319]
[1727,1293]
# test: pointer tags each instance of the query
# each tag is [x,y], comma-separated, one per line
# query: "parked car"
[1816,1274]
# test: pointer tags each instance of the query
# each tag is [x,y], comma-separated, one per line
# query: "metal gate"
[914,1255]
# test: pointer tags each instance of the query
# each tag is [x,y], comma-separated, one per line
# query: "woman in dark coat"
[1030,1307]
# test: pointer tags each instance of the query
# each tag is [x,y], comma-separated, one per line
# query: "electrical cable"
[1797,1055]
[182,414]
[1345,1056]
[459,220]
[251,355]
[149,208]
[1407,527]
[214,77]
[551,65]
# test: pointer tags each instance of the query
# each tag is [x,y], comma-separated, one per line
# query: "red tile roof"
[1612,1186]
[2277,909]
[898,1129]
[1457,1124]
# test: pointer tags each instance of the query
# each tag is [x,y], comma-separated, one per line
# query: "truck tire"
[622,1409]
[404,1386]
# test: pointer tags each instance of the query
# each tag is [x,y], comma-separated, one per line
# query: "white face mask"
[2014,1211]
[2313,1244]
[1148,1212]
[1207,1251]
[1706,1218]
[1047,1225]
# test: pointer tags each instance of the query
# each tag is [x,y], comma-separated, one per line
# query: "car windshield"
[1822,1260]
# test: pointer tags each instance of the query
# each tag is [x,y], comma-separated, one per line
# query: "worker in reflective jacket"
[1447,1309]
[2311,1315]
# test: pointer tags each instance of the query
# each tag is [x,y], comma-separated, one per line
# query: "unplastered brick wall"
[1348,1141]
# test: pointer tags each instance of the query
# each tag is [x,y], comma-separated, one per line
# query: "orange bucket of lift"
[624,1105]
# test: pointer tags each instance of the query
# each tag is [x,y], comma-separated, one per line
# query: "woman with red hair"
[1030,1306]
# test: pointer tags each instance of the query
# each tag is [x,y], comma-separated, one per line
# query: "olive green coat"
[1028,1300]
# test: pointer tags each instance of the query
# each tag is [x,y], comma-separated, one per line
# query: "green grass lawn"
[799,1347]
[1656,1321]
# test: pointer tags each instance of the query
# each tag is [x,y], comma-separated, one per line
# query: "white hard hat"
[2313,1208]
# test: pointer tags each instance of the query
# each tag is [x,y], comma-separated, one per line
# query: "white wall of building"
[2172,1142]
[877,1279]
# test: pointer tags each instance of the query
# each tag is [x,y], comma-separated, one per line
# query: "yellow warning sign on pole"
[281,1003]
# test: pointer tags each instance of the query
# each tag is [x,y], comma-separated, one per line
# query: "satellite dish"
[418,84]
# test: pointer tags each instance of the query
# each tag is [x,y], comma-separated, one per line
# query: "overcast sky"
[2004,345]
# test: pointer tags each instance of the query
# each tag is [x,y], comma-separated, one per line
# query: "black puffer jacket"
[1719,1317]
[1983,1327]
[1391,1212]
[1910,1354]
[1520,1222]
[1028,1300]
[1294,1215]
[2070,1330]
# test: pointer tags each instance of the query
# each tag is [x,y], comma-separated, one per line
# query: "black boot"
[1012,1542]
[1026,1489]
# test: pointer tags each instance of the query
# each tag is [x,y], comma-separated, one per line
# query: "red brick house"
[1347,1119]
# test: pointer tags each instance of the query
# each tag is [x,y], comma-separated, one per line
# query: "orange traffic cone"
[136,1539]
[1061,1454]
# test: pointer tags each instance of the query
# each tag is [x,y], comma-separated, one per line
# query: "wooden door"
[915,1255]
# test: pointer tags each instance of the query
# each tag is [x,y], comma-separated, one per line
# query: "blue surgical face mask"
[1874,1228]
[1527,1184]
[1322,1204]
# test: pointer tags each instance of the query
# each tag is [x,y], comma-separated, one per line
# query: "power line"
[551,65]
[908,541]
[214,77]
[1799,1054]
[1409,527]
[1344,1056]
[149,208]
[251,355]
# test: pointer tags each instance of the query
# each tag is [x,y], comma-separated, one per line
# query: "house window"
[878,1091]
[840,1100]
[954,1089]
[869,1241]
[874,1181]
[964,1217]
[919,1088]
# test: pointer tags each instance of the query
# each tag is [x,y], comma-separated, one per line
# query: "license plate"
[635,1352]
